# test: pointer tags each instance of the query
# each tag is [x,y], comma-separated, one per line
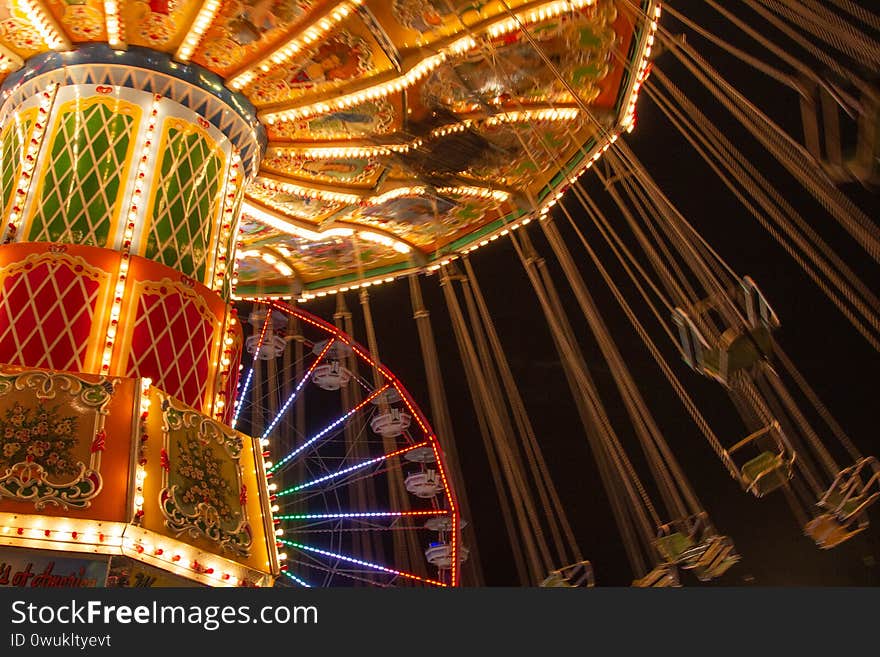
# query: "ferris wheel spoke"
[296,390]
[361,562]
[311,441]
[250,374]
[370,515]
[350,469]
[341,573]
[296,579]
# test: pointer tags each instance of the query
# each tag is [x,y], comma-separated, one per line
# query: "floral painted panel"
[202,494]
[51,438]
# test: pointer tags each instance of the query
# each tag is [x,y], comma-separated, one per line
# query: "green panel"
[84,177]
[186,200]
[10,158]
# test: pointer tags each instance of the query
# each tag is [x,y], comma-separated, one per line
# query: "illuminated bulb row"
[228,219]
[550,10]
[29,160]
[87,533]
[128,234]
[201,24]
[286,52]
[628,121]
[177,557]
[225,364]
[528,116]
[501,233]
[442,263]
[396,193]
[345,288]
[408,79]
[475,192]
[114,25]
[140,469]
[306,192]
[140,476]
[334,152]
[451,129]
[45,24]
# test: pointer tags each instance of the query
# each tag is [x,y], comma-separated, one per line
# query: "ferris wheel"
[361,490]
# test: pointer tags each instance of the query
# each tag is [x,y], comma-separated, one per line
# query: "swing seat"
[674,546]
[845,507]
[736,351]
[716,558]
[765,473]
[828,531]
[854,489]
[738,347]
[663,576]
[577,575]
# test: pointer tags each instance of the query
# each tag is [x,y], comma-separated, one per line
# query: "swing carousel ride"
[178,179]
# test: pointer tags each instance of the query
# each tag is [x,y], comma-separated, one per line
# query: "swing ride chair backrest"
[844,506]
[663,575]
[851,494]
[715,560]
[576,575]
[698,547]
[736,348]
[828,531]
[682,540]
[772,467]
[843,161]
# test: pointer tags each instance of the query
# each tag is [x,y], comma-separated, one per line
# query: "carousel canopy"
[400,133]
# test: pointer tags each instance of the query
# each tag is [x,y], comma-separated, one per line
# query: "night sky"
[840,365]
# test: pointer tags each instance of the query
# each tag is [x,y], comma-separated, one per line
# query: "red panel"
[171,343]
[46,314]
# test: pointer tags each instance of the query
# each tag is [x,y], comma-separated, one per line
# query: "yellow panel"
[205,485]
[16,31]
[159,24]
[82,21]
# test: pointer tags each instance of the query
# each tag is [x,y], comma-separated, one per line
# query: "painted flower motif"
[35,432]
[35,450]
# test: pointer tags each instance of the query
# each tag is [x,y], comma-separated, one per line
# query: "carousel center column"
[121,179]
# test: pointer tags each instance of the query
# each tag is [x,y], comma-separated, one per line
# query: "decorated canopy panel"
[400,132]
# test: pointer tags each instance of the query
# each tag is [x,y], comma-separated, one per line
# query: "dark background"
[840,365]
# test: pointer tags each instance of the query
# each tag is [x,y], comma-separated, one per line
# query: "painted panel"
[185,198]
[78,199]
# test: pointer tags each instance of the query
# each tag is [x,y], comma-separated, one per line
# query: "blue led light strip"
[329,428]
[295,392]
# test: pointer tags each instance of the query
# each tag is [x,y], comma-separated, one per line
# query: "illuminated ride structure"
[162,164]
